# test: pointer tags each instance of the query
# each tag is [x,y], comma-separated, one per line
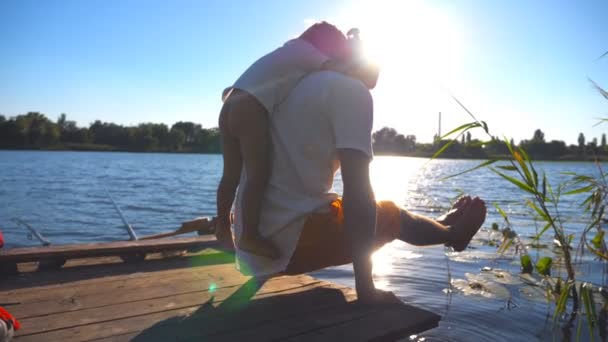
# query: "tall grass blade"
[542,231]
[445,147]
[486,163]
[507,167]
[540,212]
[522,158]
[527,188]
[560,306]
[602,92]
[502,213]
[462,128]
[580,190]
[465,108]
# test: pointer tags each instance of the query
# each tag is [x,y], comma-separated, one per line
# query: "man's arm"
[226,190]
[360,224]
[359,216]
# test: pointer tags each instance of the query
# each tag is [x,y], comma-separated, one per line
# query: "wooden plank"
[107,326]
[142,307]
[111,284]
[380,324]
[103,249]
[117,338]
[30,282]
[131,290]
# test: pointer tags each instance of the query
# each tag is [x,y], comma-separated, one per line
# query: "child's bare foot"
[465,227]
[259,246]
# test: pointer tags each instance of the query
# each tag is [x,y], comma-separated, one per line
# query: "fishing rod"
[124,220]
[33,232]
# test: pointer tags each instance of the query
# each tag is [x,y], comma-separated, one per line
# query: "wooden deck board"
[160,300]
[104,249]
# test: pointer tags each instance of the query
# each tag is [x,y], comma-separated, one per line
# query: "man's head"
[328,39]
[366,72]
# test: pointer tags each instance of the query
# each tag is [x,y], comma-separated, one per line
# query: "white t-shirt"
[273,76]
[326,111]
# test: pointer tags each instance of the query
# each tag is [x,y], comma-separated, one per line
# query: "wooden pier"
[198,296]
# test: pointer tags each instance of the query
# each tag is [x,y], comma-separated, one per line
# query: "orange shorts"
[323,240]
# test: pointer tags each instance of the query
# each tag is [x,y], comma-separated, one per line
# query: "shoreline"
[109,148]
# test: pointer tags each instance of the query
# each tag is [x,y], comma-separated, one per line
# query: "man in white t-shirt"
[324,125]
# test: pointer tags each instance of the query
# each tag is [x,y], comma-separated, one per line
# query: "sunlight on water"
[392,177]
[61,194]
[385,259]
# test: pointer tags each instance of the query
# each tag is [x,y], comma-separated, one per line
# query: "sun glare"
[418,49]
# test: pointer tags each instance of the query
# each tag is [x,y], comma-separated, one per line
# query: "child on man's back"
[244,124]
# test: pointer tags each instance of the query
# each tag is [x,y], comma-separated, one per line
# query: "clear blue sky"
[519,65]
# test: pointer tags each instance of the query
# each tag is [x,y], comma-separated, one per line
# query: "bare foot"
[378,297]
[464,229]
[458,209]
[223,234]
[259,246]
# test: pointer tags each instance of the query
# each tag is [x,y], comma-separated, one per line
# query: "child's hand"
[337,66]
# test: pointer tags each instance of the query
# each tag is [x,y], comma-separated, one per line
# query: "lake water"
[63,194]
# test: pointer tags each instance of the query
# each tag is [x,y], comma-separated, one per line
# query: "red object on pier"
[7,317]
[1,240]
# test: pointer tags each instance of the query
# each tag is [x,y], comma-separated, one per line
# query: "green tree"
[177,138]
[581,142]
[538,136]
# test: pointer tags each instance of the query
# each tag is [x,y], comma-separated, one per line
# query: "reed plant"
[572,299]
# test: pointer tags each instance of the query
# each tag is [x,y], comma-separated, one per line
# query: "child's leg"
[248,122]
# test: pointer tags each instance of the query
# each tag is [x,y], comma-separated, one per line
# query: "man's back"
[325,111]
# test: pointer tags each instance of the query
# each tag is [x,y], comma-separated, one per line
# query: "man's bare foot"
[259,246]
[458,209]
[378,297]
[463,229]
[223,234]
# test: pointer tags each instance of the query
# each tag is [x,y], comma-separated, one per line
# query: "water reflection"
[62,195]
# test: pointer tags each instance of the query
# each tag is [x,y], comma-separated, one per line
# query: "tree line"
[35,131]
[388,141]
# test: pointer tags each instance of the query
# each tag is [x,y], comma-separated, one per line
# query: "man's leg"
[464,222]
[323,243]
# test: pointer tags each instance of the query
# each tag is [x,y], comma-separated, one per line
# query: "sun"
[418,48]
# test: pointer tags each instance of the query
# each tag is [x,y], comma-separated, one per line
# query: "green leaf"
[543,266]
[462,128]
[544,186]
[580,190]
[519,184]
[560,307]
[486,163]
[504,246]
[521,158]
[465,108]
[542,231]
[540,213]
[507,167]
[484,125]
[526,263]
[597,240]
[438,153]
[502,213]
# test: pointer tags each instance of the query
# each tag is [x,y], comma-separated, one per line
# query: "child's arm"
[363,71]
